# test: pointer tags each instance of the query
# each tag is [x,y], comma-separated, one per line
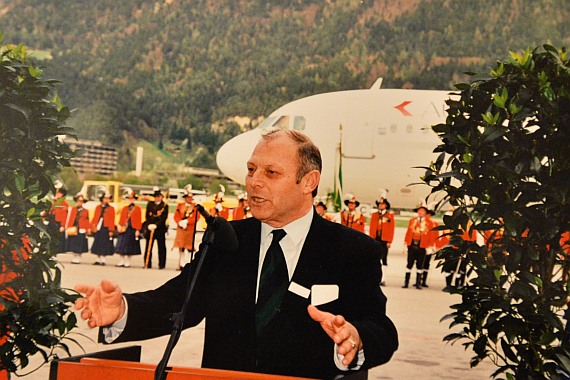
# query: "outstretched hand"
[102,304]
[342,332]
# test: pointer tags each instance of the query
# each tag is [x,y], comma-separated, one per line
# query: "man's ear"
[312,180]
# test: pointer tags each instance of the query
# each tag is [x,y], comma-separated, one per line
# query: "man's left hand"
[342,332]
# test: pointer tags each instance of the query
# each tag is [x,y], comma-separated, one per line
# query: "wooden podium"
[124,364]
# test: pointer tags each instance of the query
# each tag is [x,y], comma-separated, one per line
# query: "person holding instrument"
[300,296]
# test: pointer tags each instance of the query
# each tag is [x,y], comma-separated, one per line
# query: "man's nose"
[255,180]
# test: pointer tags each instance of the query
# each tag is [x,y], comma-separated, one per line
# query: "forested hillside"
[175,70]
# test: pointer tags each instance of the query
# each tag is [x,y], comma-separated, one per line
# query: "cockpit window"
[299,123]
[284,122]
[267,122]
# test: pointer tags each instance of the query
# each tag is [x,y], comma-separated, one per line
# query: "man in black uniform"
[155,229]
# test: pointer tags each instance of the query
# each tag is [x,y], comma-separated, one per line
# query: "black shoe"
[103,264]
[96,263]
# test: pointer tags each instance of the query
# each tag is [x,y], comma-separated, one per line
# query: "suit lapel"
[249,255]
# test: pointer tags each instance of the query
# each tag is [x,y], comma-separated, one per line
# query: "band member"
[416,241]
[431,249]
[382,226]
[129,228]
[352,217]
[219,209]
[321,209]
[186,218]
[242,211]
[103,224]
[155,223]
[78,227]
[59,213]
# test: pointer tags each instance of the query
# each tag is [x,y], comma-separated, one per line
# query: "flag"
[337,190]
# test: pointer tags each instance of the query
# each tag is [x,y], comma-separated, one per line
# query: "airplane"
[381,134]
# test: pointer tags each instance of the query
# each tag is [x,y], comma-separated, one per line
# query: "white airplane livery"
[381,135]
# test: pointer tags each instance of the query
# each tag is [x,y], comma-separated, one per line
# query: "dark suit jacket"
[225,296]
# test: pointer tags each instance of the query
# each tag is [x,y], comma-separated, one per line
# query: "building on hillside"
[94,157]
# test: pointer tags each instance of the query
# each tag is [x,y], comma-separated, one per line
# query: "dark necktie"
[273,283]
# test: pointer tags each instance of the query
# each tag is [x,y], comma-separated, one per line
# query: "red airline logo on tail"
[402,108]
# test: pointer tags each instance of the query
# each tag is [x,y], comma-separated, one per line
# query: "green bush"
[504,166]
[34,309]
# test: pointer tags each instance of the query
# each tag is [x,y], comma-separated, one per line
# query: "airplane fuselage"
[382,133]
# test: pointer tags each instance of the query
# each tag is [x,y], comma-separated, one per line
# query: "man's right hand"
[102,305]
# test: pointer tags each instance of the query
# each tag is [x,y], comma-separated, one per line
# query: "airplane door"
[358,140]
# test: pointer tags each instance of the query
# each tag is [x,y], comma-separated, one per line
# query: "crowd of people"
[420,243]
[123,238]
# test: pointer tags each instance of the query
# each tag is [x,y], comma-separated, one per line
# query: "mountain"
[175,70]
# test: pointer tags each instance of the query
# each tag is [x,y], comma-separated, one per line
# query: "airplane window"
[393,128]
[267,122]
[282,122]
[409,128]
[299,123]
[381,130]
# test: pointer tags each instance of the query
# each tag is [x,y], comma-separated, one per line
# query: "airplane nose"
[233,155]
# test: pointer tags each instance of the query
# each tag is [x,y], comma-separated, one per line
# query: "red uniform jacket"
[59,211]
[108,218]
[136,217]
[356,220]
[184,212]
[83,218]
[420,230]
[238,213]
[386,224]
[224,213]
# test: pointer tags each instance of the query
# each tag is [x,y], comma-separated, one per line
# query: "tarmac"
[416,314]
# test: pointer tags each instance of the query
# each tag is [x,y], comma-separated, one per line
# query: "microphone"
[205,214]
[225,237]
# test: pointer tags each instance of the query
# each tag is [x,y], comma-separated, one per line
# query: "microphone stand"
[178,318]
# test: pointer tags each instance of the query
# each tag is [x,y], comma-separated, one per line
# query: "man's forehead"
[274,152]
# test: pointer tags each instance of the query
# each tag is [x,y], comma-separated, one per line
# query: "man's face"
[382,206]
[274,195]
[422,212]
[351,206]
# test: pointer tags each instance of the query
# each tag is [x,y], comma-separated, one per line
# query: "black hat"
[351,198]
[157,191]
[78,196]
[383,200]
[321,204]
[105,195]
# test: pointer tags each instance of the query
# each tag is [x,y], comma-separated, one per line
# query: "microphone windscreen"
[225,238]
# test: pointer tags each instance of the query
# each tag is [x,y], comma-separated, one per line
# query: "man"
[219,209]
[242,211]
[186,218]
[352,217]
[417,240]
[155,229]
[432,245]
[382,226]
[321,209]
[349,329]
[59,214]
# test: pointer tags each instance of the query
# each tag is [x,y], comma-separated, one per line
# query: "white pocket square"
[321,294]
